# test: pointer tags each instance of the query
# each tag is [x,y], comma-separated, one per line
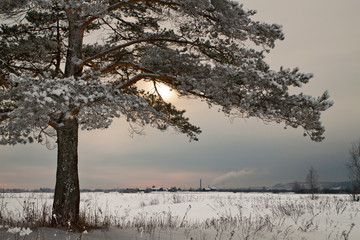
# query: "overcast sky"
[321,37]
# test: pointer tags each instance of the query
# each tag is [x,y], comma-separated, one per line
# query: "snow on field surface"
[190,215]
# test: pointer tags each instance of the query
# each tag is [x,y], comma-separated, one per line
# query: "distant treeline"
[235,190]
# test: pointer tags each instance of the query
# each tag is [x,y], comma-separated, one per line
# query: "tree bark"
[67,191]
[76,36]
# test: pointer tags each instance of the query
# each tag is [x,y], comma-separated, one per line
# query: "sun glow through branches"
[163,90]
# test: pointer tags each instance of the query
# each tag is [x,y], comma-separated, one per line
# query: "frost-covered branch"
[141,76]
[123,3]
[6,66]
[114,65]
[44,102]
[137,41]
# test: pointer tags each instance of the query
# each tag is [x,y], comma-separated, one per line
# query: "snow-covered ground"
[189,215]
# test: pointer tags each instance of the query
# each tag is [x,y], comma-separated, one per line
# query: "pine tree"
[54,78]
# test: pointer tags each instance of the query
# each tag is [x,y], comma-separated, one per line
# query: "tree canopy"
[208,49]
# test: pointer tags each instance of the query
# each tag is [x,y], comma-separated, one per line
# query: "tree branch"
[54,125]
[125,64]
[124,45]
[113,65]
[3,82]
[140,76]
[201,95]
[4,116]
[123,3]
[9,68]
[146,74]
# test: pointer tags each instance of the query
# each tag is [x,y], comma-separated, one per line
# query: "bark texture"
[67,192]
[74,55]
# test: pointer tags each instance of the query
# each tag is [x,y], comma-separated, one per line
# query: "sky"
[321,37]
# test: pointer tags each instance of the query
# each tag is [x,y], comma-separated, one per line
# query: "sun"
[163,90]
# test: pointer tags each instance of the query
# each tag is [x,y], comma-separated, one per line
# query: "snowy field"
[187,215]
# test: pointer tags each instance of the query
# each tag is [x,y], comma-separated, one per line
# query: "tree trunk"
[67,191]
